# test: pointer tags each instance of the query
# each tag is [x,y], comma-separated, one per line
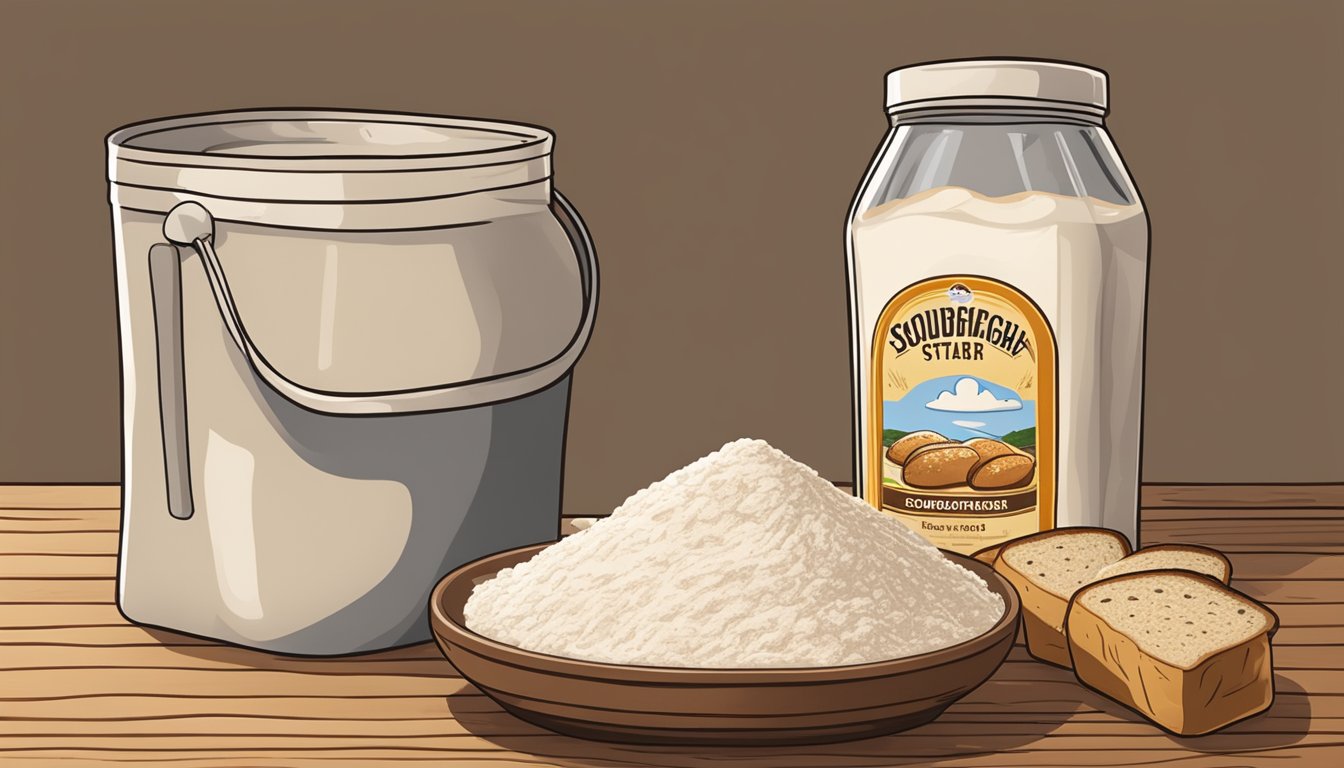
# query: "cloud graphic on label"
[968,397]
[969,424]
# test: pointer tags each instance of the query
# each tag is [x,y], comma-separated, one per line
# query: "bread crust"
[989,448]
[1002,472]
[1194,549]
[938,465]
[988,554]
[1223,687]
[1043,612]
[899,451]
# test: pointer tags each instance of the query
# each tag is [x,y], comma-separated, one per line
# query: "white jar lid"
[997,83]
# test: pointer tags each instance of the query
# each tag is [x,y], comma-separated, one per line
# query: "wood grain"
[1264,496]
[1280,534]
[60,496]
[80,686]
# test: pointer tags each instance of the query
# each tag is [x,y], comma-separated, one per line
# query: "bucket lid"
[329,169]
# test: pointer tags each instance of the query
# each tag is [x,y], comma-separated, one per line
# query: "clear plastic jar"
[997,266]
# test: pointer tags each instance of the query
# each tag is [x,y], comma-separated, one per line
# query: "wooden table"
[81,686]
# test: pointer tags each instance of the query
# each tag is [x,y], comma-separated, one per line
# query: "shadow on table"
[1285,723]
[214,650]
[1023,705]
[1002,716]
[994,718]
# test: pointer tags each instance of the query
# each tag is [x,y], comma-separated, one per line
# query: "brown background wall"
[713,148]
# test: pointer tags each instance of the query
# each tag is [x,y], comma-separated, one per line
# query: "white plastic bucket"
[346,346]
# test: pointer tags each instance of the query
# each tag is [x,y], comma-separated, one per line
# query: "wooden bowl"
[670,705]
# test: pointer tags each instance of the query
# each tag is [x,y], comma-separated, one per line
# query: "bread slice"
[1047,568]
[1180,648]
[988,555]
[1186,557]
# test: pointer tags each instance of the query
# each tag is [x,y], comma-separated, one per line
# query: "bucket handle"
[190,225]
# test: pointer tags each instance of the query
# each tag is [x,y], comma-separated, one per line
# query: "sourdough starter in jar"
[998,258]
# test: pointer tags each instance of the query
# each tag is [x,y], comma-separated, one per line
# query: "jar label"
[962,426]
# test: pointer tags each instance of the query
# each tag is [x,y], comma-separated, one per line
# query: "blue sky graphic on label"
[960,407]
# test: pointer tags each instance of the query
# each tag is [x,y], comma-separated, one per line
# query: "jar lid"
[997,83]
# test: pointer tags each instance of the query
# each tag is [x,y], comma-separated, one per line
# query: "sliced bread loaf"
[988,555]
[1186,557]
[1180,648]
[1047,568]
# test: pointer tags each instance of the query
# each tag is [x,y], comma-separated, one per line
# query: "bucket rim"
[532,141]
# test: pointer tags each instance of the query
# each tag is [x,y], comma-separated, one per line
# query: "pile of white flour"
[745,558]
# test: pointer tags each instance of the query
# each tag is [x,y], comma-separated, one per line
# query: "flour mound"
[744,558]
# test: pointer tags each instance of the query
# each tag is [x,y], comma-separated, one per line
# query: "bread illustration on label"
[988,448]
[930,461]
[939,465]
[1002,472]
[1180,648]
[900,450]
